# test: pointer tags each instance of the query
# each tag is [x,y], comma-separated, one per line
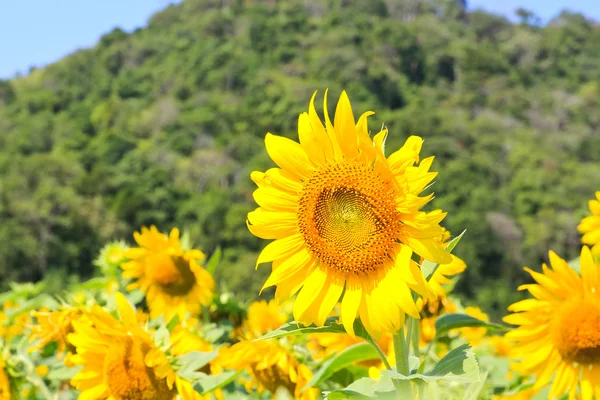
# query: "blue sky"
[38,32]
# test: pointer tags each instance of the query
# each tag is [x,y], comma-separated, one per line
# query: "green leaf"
[428,267]
[358,352]
[135,296]
[331,326]
[459,365]
[452,321]
[173,323]
[365,388]
[98,283]
[161,338]
[474,389]
[63,373]
[295,329]
[346,376]
[214,260]
[191,362]
[213,382]
[575,264]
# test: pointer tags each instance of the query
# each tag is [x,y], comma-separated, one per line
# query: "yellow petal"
[310,141]
[335,146]
[351,303]
[333,290]
[312,287]
[319,130]
[589,270]
[288,268]
[281,248]
[288,155]
[344,127]
[126,311]
[429,249]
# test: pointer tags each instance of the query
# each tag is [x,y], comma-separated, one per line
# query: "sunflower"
[474,335]
[171,278]
[54,326]
[430,311]
[120,361]
[12,322]
[4,381]
[442,273]
[558,334]
[346,219]
[263,317]
[590,226]
[271,366]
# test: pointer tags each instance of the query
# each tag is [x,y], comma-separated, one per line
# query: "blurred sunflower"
[120,361]
[441,275]
[262,317]
[322,345]
[346,219]
[474,335]
[4,381]
[171,278]
[271,366]
[54,326]
[12,322]
[184,339]
[590,226]
[558,334]
[111,256]
[500,345]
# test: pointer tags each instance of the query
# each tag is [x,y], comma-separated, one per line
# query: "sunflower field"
[362,308]
[306,199]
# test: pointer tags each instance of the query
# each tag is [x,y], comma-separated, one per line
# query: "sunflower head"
[115,355]
[54,326]
[111,257]
[263,317]
[472,334]
[346,218]
[558,333]
[590,227]
[172,279]
[271,366]
[442,273]
[184,338]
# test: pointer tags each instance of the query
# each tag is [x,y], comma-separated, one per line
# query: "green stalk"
[379,352]
[401,352]
[409,334]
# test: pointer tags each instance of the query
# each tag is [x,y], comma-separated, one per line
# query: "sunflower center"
[348,217]
[128,377]
[273,378]
[577,332]
[172,273]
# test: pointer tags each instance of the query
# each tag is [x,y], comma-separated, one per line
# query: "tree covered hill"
[164,125]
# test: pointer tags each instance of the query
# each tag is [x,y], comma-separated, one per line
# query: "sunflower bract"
[346,218]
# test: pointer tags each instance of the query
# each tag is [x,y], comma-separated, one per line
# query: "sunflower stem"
[401,350]
[409,335]
[415,339]
[379,352]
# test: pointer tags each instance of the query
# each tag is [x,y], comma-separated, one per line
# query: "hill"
[163,126]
